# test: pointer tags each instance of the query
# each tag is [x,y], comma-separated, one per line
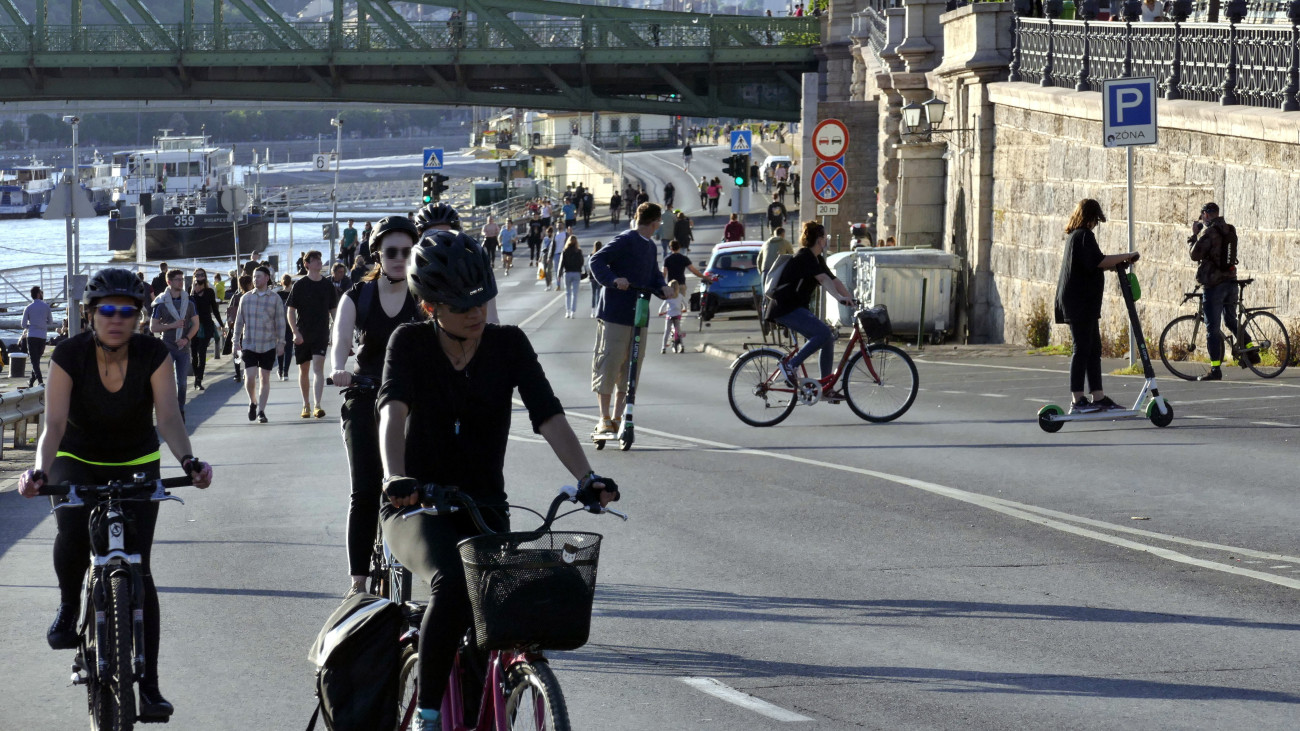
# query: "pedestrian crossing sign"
[742,141]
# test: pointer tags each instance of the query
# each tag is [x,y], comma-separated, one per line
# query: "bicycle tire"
[891,396]
[532,687]
[120,664]
[99,700]
[749,389]
[408,687]
[1262,326]
[1182,346]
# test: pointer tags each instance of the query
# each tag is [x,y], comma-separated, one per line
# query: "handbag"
[22,342]
[229,344]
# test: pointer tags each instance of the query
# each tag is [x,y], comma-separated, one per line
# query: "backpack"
[358,659]
[365,301]
[772,282]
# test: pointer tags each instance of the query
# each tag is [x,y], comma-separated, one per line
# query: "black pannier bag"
[358,657]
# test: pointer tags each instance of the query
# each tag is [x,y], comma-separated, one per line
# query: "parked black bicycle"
[1258,340]
[111,638]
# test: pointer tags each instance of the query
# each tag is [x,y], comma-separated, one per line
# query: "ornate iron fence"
[1252,64]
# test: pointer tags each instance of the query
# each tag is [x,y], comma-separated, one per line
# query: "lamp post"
[74,244]
[334,193]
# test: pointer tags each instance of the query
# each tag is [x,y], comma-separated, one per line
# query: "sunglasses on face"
[392,252]
[125,312]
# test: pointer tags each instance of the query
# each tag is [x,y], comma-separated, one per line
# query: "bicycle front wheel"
[887,394]
[1265,331]
[533,698]
[1183,348]
[122,682]
[757,390]
[408,687]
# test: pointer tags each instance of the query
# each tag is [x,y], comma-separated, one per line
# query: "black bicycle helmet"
[448,267]
[115,282]
[387,225]
[436,214]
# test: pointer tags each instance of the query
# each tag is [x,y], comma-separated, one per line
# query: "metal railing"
[1254,65]
[570,33]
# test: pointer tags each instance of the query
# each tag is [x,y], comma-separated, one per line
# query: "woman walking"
[571,263]
[205,303]
[548,251]
[284,359]
[491,239]
[1079,291]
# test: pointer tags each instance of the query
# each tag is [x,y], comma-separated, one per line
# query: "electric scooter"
[1052,417]
[640,324]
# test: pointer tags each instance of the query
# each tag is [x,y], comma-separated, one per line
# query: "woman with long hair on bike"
[805,272]
[368,314]
[105,387]
[444,418]
[1079,290]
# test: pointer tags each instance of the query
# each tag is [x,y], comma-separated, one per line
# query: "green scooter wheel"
[1045,420]
[1157,418]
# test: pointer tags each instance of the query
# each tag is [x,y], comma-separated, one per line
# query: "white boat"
[176,164]
[25,189]
[97,179]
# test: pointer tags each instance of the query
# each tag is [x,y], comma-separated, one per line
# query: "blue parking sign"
[1129,112]
[433,158]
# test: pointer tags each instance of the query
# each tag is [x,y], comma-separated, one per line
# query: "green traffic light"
[428,198]
[740,180]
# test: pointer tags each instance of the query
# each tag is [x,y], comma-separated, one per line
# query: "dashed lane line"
[718,689]
[1054,519]
[1272,423]
[541,311]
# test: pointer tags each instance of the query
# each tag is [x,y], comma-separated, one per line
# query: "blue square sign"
[1129,112]
[433,158]
[742,142]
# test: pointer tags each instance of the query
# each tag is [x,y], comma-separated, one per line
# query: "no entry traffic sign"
[830,139]
[829,181]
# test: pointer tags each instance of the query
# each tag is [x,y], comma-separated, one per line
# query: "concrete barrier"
[19,409]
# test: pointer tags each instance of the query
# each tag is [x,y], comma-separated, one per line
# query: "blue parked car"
[737,282]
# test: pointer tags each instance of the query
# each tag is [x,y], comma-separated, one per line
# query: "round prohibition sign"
[829,181]
[830,139]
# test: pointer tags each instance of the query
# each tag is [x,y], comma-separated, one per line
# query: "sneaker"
[832,396]
[662,351]
[790,372]
[153,707]
[1215,374]
[1105,404]
[252,411]
[607,426]
[1082,406]
[306,412]
[261,417]
[593,314]
[422,722]
[318,412]
[62,634]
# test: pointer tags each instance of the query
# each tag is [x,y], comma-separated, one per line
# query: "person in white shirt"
[672,309]
[38,320]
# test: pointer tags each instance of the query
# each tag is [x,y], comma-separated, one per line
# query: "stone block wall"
[1048,155]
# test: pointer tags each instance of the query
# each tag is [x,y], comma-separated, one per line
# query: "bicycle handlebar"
[155,489]
[440,495]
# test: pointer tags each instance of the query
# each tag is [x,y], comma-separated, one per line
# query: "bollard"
[920,326]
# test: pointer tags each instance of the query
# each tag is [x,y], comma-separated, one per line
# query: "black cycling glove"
[397,487]
[589,496]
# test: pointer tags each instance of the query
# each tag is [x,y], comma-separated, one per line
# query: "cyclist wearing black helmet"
[367,315]
[444,417]
[103,392]
[442,217]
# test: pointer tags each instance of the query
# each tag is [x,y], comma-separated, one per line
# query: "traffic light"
[737,169]
[432,186]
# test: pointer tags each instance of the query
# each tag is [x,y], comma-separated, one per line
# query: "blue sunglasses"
[126,312]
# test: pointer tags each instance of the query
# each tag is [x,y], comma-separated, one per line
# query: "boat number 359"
[184,221]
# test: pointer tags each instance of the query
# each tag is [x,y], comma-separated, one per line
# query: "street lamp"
[74,243]
[911,117]
[934,110]
[334,194]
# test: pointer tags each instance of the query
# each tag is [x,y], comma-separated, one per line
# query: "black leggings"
[426,545]
[199,356]
[72,545]
[361,438]
[1086,358]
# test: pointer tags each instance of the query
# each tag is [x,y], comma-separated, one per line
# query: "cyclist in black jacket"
[444,418]
[104,390]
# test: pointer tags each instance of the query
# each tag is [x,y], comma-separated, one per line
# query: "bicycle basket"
[874,322]
[531,591]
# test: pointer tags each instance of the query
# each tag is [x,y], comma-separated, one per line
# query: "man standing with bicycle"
[1213,244]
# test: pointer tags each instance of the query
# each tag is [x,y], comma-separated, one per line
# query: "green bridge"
[526,53]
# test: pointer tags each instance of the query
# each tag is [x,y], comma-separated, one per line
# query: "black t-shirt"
[1080,286]
[776,211]
[205,303]
[158,284]
[535,230]
[313,301]
[104,426]
[378,328]
[675,266]
[799,281]
[470,456]
[682,231]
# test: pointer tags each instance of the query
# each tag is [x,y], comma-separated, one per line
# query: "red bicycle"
[878,380]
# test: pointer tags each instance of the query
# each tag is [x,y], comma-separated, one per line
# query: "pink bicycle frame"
[492,706]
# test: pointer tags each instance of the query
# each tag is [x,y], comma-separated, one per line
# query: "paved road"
[958,568]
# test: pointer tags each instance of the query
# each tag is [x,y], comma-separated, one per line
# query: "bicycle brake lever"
[74,501]
[428,511]
[160,495]
[612,511]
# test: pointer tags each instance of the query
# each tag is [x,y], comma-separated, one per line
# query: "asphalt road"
[958,568]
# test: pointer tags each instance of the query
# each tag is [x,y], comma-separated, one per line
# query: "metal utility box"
[893,277]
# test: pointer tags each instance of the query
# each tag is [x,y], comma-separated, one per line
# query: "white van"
[771,164]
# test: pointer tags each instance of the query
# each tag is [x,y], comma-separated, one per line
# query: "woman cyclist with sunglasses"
[444,417]
[104,389]
[367,315]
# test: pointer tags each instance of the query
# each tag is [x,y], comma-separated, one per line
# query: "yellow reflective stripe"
[156,456]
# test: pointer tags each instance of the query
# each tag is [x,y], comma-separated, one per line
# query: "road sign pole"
[1132,337]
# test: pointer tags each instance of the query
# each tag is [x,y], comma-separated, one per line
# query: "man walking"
[1213,244]
[627,261]
[259,338]
[776,213]
[159,282]
[37,322]
[176,317]
[535,232]
[348,249]
[772,249]
[311,304]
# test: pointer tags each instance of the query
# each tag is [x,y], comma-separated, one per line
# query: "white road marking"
[1052,370]
[744,700]
[512,283]
[1240,398]
[955,393]
[1045,517]
[540,311]
[992,395]
[1204,418]
[1271,423]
